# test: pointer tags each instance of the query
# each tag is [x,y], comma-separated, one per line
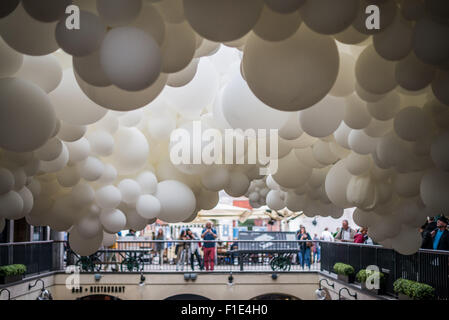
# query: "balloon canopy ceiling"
[86,114]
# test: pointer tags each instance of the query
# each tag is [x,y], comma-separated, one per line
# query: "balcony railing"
[37,256]
[180,255]
[426,266]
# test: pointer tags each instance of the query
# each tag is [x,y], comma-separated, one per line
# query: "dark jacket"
[303,245]
[444,241]
[427,240]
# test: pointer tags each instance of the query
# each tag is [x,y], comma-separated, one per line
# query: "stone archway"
[275,296]
[101,297]
[187,296]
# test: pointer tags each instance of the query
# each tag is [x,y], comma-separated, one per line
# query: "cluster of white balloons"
[363,115]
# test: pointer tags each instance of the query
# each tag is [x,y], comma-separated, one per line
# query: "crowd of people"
[201,250]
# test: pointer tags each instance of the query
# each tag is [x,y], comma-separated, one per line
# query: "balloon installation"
[86,115]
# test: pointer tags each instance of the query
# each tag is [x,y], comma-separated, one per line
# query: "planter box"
[380,291]
[10,279]
[402,296]
[348,279]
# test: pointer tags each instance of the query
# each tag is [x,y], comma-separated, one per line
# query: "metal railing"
[188,255]
[426,266]
[37,256]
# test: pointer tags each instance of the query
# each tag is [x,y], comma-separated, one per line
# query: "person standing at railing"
[194,250]
[160,245]
[316,249]
[305,246]
[440,236]
[346,233]
[209,234]
[183,249]
[327,236]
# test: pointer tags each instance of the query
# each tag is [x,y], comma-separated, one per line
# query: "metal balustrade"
[426,266]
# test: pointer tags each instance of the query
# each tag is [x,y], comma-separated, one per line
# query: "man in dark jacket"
[427,229]
[440,236]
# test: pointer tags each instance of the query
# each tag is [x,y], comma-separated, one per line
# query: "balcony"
[247,261]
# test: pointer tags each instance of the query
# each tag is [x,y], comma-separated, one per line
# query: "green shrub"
[413,289]
[343,269]
[12,270]
[363,274]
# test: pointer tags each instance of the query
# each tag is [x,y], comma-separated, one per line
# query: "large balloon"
[237,94]
[27,35]
[83,41]
[328,16]
[10,60]
[46,10]
[148,206]
[313,122]
[130,58]
[291,172]
[291,68]
[72,105]
[84,246]
[375,74]
[275,26]
[27,118]
[46,72]
[179,210]
[116,13]
[222,21]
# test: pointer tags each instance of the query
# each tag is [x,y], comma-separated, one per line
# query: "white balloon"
[238,184]
[291,172]
[89,227]
[6,181]
[27,118]
[113,220]
[70,133]
[11,206]
[237,94]
[71,104]
[148,206]
[108,197]
[131,70]
[130,190]
[434,189]
[68,177]
[313,122]
[361,143]
[439,151]
[45,72]
[194,97]
[10,60]
[82,194]
[131,151]
[274,200]
[336,181]
[78,150]
[91,169]
[101,143]
[179,210]
[215,179]
[412,123]
[82,245]
[148,182]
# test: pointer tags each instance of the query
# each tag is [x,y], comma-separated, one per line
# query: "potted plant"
[364,274]
[12,273]
[412,290]
[344,272]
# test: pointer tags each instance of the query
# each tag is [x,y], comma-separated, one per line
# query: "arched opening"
[275,296]
[100,297]
[187,296]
